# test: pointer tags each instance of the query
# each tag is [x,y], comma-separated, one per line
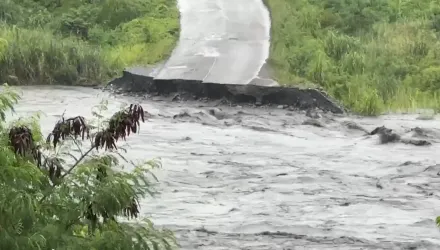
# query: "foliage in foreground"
[82,41]
[56,195]
[374,55]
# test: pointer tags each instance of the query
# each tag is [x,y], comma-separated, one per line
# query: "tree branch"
[71,169]
[77,162]
[76,143]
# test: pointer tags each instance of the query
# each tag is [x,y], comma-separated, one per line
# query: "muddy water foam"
[255,178]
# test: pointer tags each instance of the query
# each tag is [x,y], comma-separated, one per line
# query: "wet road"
[221,41]
[255,178]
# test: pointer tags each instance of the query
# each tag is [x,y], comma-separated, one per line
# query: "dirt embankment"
[142,82]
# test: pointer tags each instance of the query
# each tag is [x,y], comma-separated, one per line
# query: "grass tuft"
[374,56]
[82,41]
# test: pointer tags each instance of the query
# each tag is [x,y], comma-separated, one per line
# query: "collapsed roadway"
[222,53]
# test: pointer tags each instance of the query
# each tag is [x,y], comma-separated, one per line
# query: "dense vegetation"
[82,41]
[373,55]
[71,190]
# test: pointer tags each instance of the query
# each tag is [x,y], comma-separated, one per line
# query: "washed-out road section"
[221,53]
[257,179]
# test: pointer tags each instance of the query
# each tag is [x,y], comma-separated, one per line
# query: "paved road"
[221,41]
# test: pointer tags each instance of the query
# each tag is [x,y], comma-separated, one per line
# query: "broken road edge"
[131,82]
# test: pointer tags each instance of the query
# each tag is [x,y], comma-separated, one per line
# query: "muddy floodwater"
[258,178]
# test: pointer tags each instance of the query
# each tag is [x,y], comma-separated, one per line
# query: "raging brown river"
[269,178]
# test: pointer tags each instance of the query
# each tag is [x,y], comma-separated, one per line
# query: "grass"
[374,56]
[82,41]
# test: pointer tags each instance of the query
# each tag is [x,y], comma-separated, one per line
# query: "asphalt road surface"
[221,41]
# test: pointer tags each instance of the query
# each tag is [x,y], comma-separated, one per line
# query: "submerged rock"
[217,113]
[425,133]
[313,122]
[387,135]
[355,126]
[380,130]
[416,142]
[313,114]
[182,114]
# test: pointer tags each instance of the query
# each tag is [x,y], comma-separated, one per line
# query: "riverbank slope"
[373,56]
[82,42]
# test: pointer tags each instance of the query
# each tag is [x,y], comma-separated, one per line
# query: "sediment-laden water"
[256,178]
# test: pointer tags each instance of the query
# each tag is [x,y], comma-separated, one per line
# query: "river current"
[257,178]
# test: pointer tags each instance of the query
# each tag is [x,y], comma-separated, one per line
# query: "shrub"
[57,194]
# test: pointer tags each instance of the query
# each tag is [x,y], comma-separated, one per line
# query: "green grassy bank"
[82,41]
[373,55]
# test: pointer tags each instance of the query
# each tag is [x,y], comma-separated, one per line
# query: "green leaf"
[437,221]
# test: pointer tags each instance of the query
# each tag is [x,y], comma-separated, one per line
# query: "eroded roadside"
[274,178]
